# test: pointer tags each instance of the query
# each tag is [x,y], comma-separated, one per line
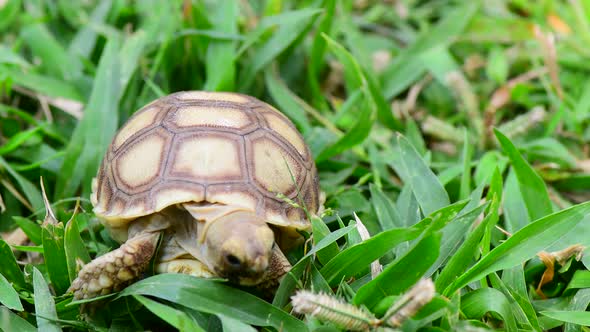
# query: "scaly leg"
[278,266]
[114,270]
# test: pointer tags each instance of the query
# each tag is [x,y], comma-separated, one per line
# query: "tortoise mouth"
[242,277]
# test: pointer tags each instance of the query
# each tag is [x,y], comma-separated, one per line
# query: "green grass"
[456,131]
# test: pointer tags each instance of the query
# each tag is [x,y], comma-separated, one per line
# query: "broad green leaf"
[75,249]
[406,271]
[477,303]
[44,304]
[525,243]
[9,267]
[429,192]
[9,296]
[174,317]
[10,321]
[55,257]
[215,298]
[533,189]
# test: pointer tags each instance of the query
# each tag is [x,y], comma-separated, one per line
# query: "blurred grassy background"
[398,99]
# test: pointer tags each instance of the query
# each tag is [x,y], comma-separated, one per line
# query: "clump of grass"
[456,131]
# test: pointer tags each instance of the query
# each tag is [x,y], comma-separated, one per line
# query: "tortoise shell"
[209,147]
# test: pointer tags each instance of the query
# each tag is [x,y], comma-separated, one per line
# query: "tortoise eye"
[233,261]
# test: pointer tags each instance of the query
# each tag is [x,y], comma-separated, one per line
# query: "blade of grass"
[525,244]
[233,325]
[411,266]
[215,298]
[428,190]
[408,66]
[55,257]
[9,267]
[317,53]
[54,58]
[285,99]
[466,176]
[85,39]
[481,301]
[174,317]
[45,85]
[75,250]
[352,260]
[531,185]
[220,59]
[386,211]
[93,133]
[515,283]
[30,190]
[10,321]
[356,81]
[44,304]
[32,229]
[575,317]
[320,231]
[453,235]
[287,34]
[9,296]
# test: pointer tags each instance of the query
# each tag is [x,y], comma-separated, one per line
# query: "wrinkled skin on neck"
[238,246]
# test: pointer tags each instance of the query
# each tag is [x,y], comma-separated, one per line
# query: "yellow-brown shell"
[208,147]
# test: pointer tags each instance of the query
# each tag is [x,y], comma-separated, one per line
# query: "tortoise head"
[238,246]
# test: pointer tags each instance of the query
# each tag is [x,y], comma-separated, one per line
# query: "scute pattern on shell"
[207,147]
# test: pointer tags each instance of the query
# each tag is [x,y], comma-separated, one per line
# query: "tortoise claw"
[114,270]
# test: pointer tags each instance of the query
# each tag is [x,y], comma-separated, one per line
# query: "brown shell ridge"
[268,193]
[135,136]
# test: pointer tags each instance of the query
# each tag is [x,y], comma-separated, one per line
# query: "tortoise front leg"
[278,266]
[114,270]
